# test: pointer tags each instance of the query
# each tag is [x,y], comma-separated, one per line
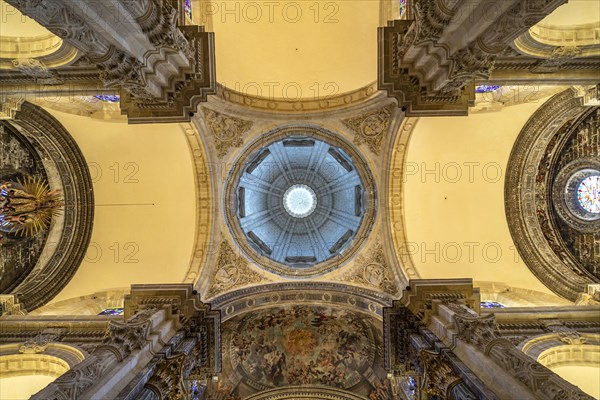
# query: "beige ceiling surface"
[145,204]
[15,24]
[292,49]
[454,195]
[575,12]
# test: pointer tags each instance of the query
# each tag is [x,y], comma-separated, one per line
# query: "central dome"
[299,201]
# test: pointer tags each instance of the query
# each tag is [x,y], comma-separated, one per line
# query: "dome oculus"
[299,201]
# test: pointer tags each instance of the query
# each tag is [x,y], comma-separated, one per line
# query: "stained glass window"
[108,98]
[486,88]
[187,7]
[402,7]
[112,311]
[491,304]
[588,194]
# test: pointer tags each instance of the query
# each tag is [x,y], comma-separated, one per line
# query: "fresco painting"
[302,346]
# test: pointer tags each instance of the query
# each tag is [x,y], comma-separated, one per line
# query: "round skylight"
[299,201]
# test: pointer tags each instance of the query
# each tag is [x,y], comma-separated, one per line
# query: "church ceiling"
[303,76]
[302,346]
[300,200]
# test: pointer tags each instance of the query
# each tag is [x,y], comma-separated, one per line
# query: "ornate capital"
[478,331]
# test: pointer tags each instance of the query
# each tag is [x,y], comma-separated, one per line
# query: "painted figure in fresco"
[301,346]
[26,206]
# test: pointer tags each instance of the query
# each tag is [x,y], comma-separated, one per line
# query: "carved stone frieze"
[371,128]
[231,271]
[565,334]
[372,270]
[560,56]
[39,343]
[227,130]
[36,69]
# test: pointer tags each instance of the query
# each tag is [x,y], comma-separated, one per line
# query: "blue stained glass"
[187,7]
[112,311]
[492,304]
[402,7]
[486,88]
[108,98]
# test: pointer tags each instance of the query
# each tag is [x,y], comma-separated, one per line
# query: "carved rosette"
[227,131]
[371,128]
[372,270]
[231,272]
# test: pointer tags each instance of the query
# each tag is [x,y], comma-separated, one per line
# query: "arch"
[305,393]
[53,359]
[573,356]
[70,234]
[554,350]
[290,293]
[396,223]
[527,195]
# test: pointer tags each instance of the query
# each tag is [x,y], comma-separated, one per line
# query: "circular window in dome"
[588,194]
[577,195]
[299,201]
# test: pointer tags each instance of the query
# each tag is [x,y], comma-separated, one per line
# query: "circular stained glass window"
[588,194]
